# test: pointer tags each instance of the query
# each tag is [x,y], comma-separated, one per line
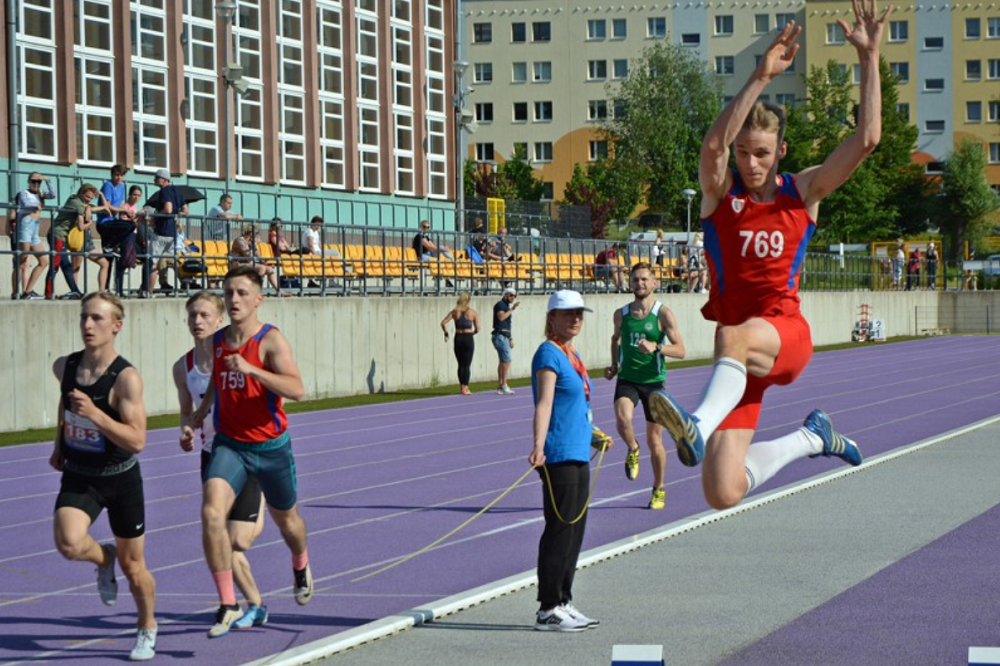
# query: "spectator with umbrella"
[168,203]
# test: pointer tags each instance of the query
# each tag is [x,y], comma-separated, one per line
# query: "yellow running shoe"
[632,464]
[659,499]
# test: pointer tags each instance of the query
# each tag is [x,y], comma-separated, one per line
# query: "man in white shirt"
[311,241]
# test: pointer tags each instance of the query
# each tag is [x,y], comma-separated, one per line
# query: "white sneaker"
[303,586]
[107,584]
[558,619]
[575,613]
[506,390]
[145,645]
[224,619]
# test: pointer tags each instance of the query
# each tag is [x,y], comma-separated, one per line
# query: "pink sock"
[224,583]
[299,562]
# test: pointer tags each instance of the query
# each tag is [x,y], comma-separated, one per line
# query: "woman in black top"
[466,325]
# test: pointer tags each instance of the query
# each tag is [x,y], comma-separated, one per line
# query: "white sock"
[722,393]
[765,459]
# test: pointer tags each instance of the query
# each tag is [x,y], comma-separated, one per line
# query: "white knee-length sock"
[722,393]
[765,459]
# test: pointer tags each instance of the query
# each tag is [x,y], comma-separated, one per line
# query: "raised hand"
[866,33]
[780,53]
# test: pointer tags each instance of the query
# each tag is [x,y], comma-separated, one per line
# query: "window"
[436,144]
[619,28]
[856,74]
[995,153]
[541,31]
[899,31]
[931,43]
[761,23]
[934,85]
[484,152]
[973,70]
[597,70]
[93,58]
[36,51]
[724,24]
[149,85]
[542,71]
[520,112]
[597,29]
[482,72]
[518,32]
[620,68]
[834,33]
[934,168]
[781,20]
[972,28]
[482,33]
[292,92]
[547,191]
[725,65]
[993,27]
[597,109]
[484,112]
[993,68]
[656,28]
[619,108]
[786,99]
[200,79]
[993,109]
[974,112]
[901,70]
[249,122]
[543,151]
[519,72]
[904,111]
[934,126]
[370,106]
[543,112]
[690,39]
[598,150]
[330,96]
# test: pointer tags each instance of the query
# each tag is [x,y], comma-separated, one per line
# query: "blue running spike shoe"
[834,444]
[254,616]
[681,426]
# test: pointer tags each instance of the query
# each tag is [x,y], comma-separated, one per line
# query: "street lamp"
[689,195]
[464,119]
[226,10]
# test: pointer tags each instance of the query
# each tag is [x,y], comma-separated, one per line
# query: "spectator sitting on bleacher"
[243,252]
[606,265]
[217,220]
[500,249]
[278,242]
[425,247]
[312,243]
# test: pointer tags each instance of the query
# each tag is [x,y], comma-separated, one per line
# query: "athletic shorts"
[796,351]
[121,494]
[502,344]
[637,393]
[274,467]
[246,508]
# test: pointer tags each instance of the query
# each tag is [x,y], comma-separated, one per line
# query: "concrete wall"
[357,345]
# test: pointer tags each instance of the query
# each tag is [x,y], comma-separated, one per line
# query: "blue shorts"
[502,344]
[27,231]
[603,270]
[270,462]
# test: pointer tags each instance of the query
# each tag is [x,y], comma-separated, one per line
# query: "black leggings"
[559,547]
[465,347]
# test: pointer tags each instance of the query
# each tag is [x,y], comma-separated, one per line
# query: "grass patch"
[171,420]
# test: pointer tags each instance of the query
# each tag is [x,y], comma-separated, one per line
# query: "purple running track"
[379,482]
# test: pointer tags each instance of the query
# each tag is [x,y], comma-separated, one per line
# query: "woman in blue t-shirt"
[562,436]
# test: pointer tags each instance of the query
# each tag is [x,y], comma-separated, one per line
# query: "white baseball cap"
[162,173]
[567,299]
[510,290]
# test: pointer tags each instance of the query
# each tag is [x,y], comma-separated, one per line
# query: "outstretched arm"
[713,171]
[816,183]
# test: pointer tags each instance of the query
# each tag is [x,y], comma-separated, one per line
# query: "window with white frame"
[973,70]
[597,109]
[619,109]
[619,69]
[899,31]
[437,118]
[724,25]
[974,112]
[901,70]
[484,112]
[518,32]
[542,151]
[369,102]
[934,85]
[520,112]
[541,31]
[597,29]
[93,59]
[993,27]
[482,33]
[597,70]
[543,112]
[291,92]
[404,150]
[761,23]
[484,152]
[786,99]
[149,84]
[330,95]
[856,73]
[548,190]
[973,28]
[36,99]
[933,43]
[656,27]
[993,111]
[725,65]
[598,150]
[993,68]
[935,126]
[542,72]
[519,72]
[249,125]
[782,19]
[619,28]
[994,153]
[482,72]
[201,118]
[834,33]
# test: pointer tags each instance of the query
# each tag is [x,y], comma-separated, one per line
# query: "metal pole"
[13,76]
[228,99]
[459,135]
[689,228]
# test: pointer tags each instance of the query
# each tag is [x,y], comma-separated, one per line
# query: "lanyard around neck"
[577,363]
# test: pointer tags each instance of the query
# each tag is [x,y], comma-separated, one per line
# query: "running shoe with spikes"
[658,500]
[682,427]
[632,464]
[835,445]
[224,619]
[303,585]
[107,584]
[254,616]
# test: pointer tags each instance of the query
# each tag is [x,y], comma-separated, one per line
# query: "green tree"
[512,180]
[607,188]
[966,201]
[663,111]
